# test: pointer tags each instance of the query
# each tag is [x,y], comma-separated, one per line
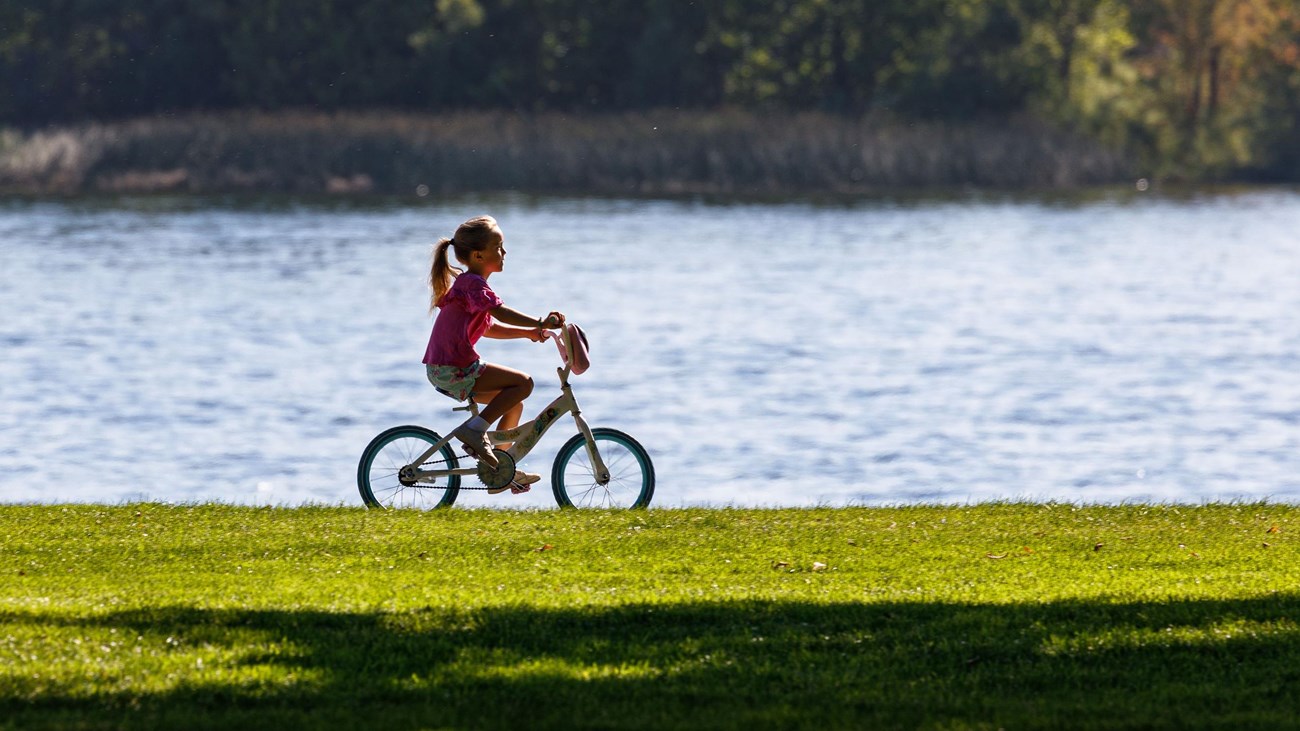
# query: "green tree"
[69,59]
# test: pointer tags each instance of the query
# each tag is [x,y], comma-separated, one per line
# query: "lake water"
[1121,348]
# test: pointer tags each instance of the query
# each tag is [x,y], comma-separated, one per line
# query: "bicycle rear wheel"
[380,478]
[631,474]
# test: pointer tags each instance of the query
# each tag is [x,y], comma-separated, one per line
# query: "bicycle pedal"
[515,488]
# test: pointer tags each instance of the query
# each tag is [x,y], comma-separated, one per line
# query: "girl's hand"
[554,321]
[537,335]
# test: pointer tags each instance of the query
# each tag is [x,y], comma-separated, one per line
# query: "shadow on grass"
[1180,664]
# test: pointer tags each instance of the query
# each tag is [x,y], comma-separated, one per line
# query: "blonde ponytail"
[442,273]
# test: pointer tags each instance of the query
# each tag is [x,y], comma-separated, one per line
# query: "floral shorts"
[457,383]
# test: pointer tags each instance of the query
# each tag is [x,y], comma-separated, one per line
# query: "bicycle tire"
[632,474]
[393,449]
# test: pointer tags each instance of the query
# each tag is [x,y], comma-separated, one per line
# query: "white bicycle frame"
[525,436]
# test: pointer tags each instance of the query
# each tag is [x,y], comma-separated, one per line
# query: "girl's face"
[491,258]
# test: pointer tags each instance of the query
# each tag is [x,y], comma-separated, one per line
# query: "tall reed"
[663,152]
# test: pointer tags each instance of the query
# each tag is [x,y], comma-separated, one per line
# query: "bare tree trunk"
[1067,26]
[1213,104]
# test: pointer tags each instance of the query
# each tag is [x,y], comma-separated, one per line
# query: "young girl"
[468,309]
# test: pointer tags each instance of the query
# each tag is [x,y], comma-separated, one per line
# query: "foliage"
[1001,615]
[1194,87]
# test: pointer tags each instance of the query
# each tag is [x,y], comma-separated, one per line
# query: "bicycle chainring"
[502,475]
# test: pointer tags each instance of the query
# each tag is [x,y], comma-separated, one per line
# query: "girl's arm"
[528,327]
[504,314]
[506,332]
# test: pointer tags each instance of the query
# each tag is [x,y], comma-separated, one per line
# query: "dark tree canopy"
[1214,83]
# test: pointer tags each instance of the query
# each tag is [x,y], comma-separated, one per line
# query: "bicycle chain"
[444,487]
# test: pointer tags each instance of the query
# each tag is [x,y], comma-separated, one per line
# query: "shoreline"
[669,153]
[350,506]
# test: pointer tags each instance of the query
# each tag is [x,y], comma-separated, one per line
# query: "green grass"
[1001,615]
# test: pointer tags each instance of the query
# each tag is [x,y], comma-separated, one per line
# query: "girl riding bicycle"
[468,309]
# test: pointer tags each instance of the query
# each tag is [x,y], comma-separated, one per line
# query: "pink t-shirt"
[462,319]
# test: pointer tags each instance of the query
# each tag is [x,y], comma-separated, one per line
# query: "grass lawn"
[990,616]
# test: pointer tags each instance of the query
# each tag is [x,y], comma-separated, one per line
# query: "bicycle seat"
[449,395]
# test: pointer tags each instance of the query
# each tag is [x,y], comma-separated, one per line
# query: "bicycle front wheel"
[631,475]
[382,475]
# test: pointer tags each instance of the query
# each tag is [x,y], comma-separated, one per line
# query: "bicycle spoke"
[618,460]
[589,493]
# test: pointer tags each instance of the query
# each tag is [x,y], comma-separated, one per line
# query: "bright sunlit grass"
[1004,615]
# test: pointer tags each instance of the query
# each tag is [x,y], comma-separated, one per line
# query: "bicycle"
[414,467]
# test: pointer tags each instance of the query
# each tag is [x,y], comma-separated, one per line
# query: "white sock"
[477,423]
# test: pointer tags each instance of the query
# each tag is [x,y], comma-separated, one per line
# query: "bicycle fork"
[597,464]
[601,472]
[570,403]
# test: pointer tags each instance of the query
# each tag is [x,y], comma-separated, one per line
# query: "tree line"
[1195,88]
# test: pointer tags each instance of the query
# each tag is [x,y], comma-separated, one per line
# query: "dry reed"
[666,152]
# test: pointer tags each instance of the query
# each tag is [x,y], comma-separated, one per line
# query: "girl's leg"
[511,418]
[508,388]
[507,402]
